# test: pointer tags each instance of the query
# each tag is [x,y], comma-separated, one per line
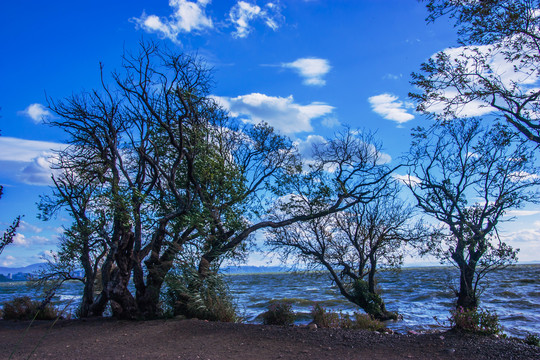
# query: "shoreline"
[108,338]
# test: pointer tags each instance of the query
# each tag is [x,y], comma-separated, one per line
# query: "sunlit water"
[423,296]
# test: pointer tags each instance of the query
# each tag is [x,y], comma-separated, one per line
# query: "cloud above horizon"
[311,69]
[187,16]
[36,112]
[282,113]
[482,64]
[27,161]
[244,13]
[390,108]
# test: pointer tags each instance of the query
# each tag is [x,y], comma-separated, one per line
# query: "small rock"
[412,332]
[450,351]
[312,326]
[441,337]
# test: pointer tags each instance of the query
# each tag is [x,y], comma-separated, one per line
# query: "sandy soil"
[195,339]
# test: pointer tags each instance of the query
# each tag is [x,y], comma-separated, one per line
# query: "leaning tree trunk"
[370,302]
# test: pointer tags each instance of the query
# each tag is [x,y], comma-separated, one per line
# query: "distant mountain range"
[229,270]
[226,270]
[246,269]
[25,270]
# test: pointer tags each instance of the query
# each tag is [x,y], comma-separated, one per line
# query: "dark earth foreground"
[196,339]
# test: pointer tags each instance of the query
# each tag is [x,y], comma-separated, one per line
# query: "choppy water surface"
[418,294]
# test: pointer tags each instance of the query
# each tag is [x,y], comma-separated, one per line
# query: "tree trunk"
[370,302]
[89,278]
[466,295]
[122,301]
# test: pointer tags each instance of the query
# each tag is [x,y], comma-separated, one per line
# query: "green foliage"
[478,321]
[279,314]
[532,339]
[24,308]
[206,298]
[370,302]
[7,237]
[324,318]
[327,319]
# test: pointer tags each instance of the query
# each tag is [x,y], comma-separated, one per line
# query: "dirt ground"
[196,339]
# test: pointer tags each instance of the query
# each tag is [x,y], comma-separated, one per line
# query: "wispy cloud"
[389,107]
[187,16]
[36,112]
[522,212]
[27,161]
[243,13]
[311,69]
[280,112]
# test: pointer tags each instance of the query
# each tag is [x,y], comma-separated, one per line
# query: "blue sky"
[304,66]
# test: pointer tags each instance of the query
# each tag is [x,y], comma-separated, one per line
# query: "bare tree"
[496,69]
[365,234]
[467,177]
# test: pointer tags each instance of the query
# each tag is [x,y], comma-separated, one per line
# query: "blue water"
[419,294]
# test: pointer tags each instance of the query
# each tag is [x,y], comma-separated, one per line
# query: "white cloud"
[187,16]
[27,227]
[305,147]
[388,106]
[481,63]
[522,212]
[36,112]
[282,113]
[408,180]
[523,176]
[15,149]
[243,13]
[20,240]
[527,241]
[27,161]
[8,261]
[311,69]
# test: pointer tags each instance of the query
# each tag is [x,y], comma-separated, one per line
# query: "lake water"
[418,294]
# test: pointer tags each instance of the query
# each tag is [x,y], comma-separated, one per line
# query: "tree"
[351,244]
[83,245]
[496,69]
[134,141]
[467,177]
[9,234]
[154,168]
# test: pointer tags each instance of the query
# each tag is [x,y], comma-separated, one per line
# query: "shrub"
[477,321]
[279,314]
[367,322]
[327,319]
[532,339]
[324,318]
[24,308]
[206,298]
